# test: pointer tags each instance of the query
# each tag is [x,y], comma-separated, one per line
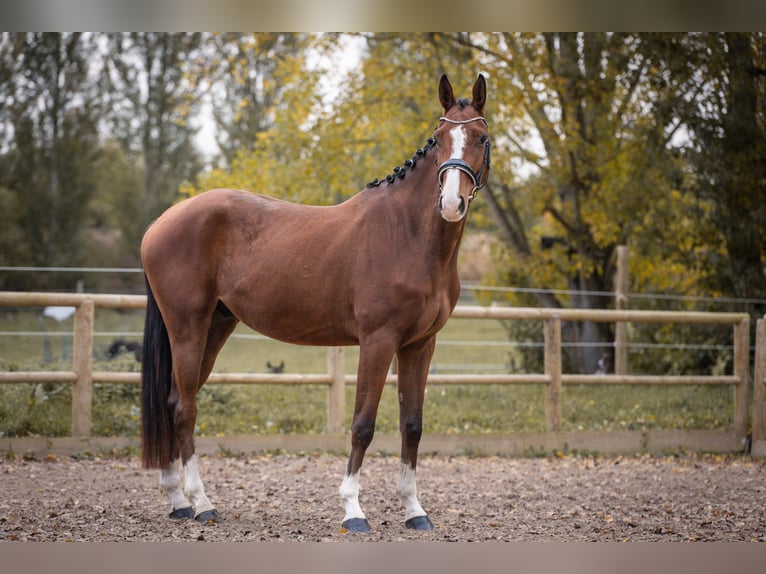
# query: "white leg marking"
[194,488]
[451,185]
[349,494]
[170,484]
[408,493]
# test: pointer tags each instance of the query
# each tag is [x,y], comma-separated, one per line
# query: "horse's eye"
[483,139]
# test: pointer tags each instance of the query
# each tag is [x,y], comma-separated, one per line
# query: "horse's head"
[462,141]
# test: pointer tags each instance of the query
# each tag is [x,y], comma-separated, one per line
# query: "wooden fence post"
[759,390]
[336,394]
[621,302]
[552,359]
[82,391]
[741,370]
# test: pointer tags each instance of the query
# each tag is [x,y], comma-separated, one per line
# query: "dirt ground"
[295,498]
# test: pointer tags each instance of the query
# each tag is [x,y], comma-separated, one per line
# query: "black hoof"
[208,516]
[182,513]
[420,523]
[356,525]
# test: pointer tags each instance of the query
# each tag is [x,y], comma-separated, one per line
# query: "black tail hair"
[157,434]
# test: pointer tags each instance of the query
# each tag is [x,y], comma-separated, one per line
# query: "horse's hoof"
[356,525]
[419,523]
[182,513]
[208,516]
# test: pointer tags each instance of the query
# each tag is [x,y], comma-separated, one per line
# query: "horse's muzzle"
[453,213]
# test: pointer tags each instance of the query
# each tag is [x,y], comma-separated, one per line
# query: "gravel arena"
[286,497]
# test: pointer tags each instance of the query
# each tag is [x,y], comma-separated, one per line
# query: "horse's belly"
[300,324]
[306,335]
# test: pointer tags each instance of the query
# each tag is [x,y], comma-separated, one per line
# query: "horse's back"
[212,207]
[206,221]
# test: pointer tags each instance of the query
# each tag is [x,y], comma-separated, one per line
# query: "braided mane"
[400,171]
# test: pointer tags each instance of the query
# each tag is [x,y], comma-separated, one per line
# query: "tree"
[152,82]
[278,155]
[244,74]
[729,155]
[590,165]
[323,152]
[589,133]
[50,110]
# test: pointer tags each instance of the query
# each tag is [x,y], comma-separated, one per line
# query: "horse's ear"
[479,94]
[446,95]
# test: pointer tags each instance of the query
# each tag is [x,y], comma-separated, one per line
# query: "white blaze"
[450,198]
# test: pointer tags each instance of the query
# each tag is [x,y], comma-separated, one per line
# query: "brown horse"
[378,271]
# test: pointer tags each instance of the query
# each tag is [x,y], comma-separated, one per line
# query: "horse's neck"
[452,237]
[419,202]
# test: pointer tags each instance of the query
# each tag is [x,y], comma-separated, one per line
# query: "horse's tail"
[157,434]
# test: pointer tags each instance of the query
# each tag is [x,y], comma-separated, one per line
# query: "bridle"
[479,179]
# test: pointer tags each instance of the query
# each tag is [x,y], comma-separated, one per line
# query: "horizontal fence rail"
[83,376]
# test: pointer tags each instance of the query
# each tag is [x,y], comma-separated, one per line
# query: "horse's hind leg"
[185,492]
[170,484]
[194,346]
[221,327]
[413,372]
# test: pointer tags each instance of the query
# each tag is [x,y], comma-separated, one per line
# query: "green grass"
[464,346]
[645,407]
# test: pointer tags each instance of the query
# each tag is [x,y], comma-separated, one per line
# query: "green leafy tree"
[728,151]
[50,111]
[152,82]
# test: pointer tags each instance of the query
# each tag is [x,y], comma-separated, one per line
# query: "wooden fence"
[82,377]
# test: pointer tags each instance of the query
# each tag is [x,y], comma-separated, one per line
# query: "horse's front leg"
[375,356]
[414,362]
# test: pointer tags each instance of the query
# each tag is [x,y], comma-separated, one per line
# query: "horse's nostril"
[441,203]
[461,207]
